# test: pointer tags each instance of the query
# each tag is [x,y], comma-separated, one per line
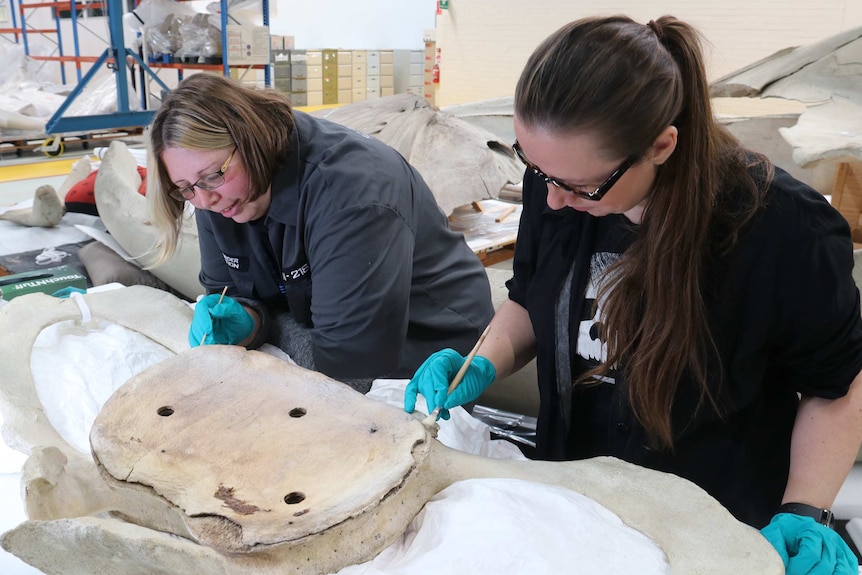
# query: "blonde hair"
[210,112]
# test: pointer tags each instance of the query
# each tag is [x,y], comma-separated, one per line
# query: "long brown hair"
[211,112]
[625,83]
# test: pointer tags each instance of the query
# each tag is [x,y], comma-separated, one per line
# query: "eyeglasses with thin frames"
[208,182]
[594,195]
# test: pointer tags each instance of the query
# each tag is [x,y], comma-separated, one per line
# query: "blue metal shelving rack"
[115,56]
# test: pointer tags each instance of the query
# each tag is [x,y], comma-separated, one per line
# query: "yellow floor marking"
[38,169]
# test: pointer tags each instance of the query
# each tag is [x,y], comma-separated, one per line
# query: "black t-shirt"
[784,314]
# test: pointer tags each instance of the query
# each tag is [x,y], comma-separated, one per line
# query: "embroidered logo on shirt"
[236,262]
[296,273]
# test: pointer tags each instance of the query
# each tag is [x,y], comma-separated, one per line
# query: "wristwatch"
[822,516]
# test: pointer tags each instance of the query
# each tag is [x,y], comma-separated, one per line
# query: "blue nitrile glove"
[433,377]
[808,547]
[67,292]
[226,322]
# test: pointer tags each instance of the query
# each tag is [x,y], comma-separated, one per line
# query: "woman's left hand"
[808,547]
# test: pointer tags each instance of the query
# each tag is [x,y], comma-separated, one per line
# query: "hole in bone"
[297,412]
[294,497]
[165,411]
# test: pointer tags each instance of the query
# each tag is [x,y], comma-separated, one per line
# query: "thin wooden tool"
[506,213]
[224,291]
[432,417]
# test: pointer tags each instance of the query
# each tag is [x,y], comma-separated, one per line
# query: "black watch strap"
[822,516]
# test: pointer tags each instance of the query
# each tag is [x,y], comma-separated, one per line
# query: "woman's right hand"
[434,375]
[219,320]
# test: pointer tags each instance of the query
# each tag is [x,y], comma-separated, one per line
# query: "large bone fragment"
[461,162]
[818,57]
[47,210]
[274,465]
[138,530]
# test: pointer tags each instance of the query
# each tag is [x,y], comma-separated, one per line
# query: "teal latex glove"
[809,548]
[67,292]
[433,377]
[226,322]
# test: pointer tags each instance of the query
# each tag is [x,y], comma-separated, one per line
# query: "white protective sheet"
[508,526]
[478,526]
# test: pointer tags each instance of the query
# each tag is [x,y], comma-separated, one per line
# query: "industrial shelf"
[124,117]
[55,35]
[225,65]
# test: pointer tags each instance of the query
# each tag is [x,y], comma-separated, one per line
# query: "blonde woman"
[330,244]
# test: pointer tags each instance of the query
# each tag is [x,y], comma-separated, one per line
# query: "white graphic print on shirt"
[591,349]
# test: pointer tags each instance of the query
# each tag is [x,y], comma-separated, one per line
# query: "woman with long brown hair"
[679,292]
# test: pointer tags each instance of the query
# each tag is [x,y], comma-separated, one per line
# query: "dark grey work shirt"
[356,248]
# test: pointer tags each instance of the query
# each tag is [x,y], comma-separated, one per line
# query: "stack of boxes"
[281,75]
[328,77]
[314,88]
[345,77]
[380,73]
[408,72]
[358,73]
[372,74]
[298,78]
[387,72]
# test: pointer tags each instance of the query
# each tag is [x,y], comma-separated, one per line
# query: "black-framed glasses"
[207,182]
[594,195]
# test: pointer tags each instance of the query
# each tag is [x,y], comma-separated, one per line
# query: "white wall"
[351,24]
[485,43]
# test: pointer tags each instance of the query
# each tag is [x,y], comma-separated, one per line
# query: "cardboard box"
[247,44]
[314,57]
[314,72]
[315,98]
[46,281]
[313,85]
